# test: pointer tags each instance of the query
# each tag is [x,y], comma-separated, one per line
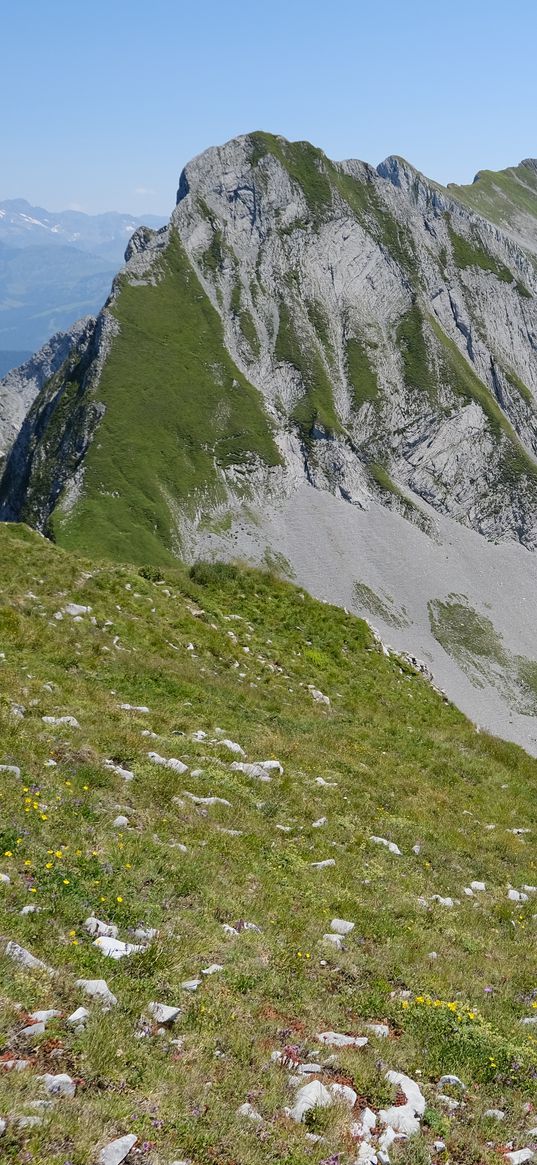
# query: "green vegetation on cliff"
[178,411]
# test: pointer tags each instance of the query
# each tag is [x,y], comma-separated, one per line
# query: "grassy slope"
[177,408]
[501,196]
[406,766]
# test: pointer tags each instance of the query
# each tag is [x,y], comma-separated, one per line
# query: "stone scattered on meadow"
[74,609]
[69,721]
[250,1112]
[449,902]
[58,1085]
[325,784]
[231,745]
[116,1151]
[5,879]
[21,955]
[31,908]
[44,1016]
[335,939]
[120,822]
[99,929]
[343,1092]
[250,770]
[338,1040]
[33,1030]
[478,886]
[146,933]
[453,1081]
[341,926]
[114,948]
[320,822]
[520,1156]
[390,845]
[3,1125]
[78,1018]
[312,1095]
[163,1013]
[133,708]
[207,800]
[99,990]
[191,984]
[168,762]
[126,774]
[318,696]
[496,1114]
[323,865]
[212,969]
[11,769]
[380,1030]
[517,896]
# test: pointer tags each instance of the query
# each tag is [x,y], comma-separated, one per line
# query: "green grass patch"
[316,407]
[400,763]
[361,372]
[178,412]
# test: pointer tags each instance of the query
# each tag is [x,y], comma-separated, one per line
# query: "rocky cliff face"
[308,345]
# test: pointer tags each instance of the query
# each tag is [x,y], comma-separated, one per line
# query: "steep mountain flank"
[314,364]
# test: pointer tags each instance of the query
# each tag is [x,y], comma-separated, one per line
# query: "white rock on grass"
[146,933]
[319,823]
[163,1013]
[133,708]
[70,721]
[496,1114]
[479,887]
[390,845]
[452,1080]
[318,696]
[341,926]
[114,948]
[191,984]
[250,1112]
[21,955]
[33,1030]
[335,939]
[207,800]
[5,879]
[312,1095]
[231,745]
[99,929]
[212,969]
[517,896]
[116,1151]
[79,1018]
[323,865]
[120,822]
[449,902]
[59,1085]
[380,1030]
[520,1156]
[11,769]
[31,908]
[120,772]
[99,990]
[76,609]
[338,1040]
[343,1092]
[325,784]
[3,1125]
[168,763]
[44,1016]
[259,769]
[404,1118]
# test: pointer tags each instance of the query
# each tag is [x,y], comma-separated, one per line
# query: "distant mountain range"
[54,268]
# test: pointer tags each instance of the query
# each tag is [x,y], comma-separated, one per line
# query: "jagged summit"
[325,365]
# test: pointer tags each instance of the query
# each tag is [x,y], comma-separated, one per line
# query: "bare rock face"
[20,387]
[329,369]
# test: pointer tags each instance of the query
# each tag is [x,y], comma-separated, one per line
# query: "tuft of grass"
[361,373]
[315,409]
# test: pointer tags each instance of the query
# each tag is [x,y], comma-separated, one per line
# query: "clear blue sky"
[103,102]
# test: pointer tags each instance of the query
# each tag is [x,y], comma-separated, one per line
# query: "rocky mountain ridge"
[311,346]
